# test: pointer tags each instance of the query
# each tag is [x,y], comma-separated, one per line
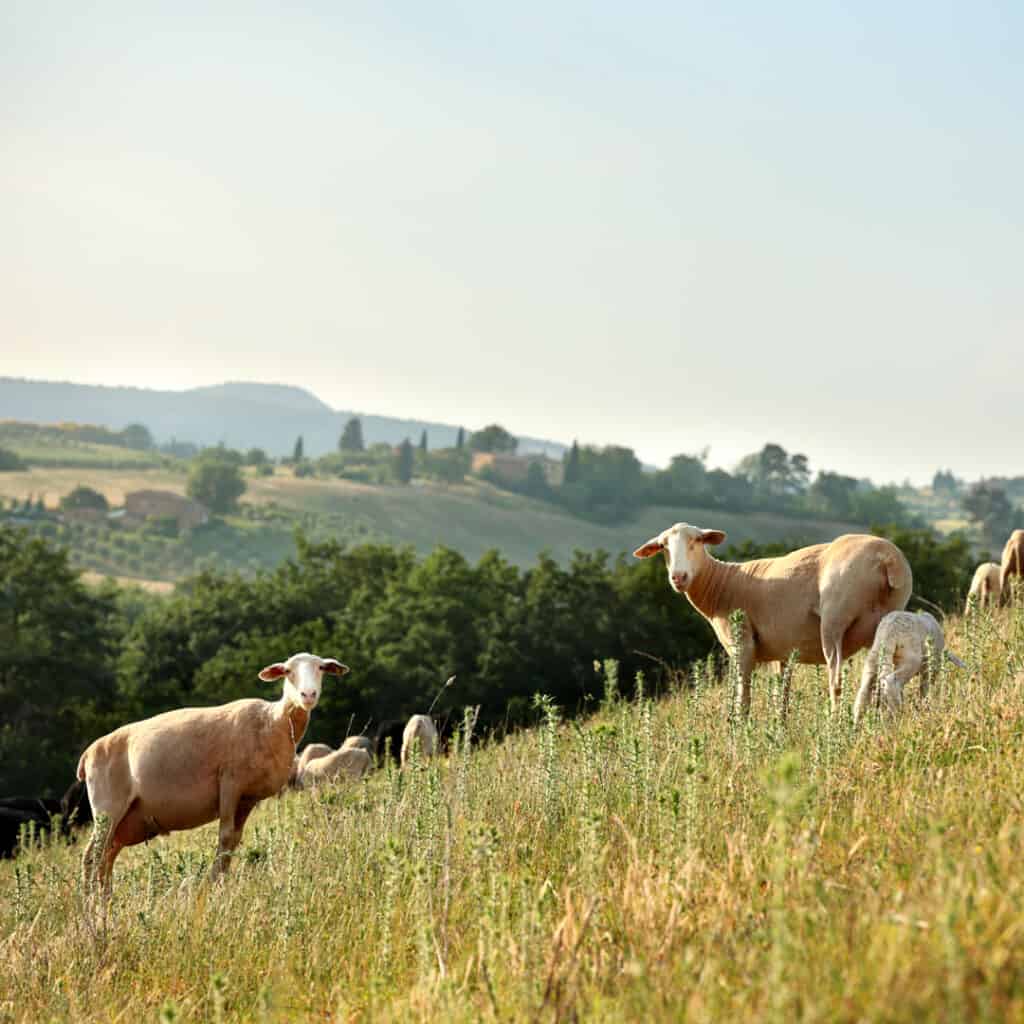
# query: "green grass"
[659,862]
[476,517]
[471,518]
[51,446]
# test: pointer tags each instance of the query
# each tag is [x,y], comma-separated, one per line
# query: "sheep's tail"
[81,767]
[953,658]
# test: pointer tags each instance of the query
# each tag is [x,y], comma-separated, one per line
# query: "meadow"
[658,861]
[471,518]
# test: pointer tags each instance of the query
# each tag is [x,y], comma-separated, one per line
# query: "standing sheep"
[419,731]
[899,652]
[824,601]
[184,768]
[1012,567]
[985,586]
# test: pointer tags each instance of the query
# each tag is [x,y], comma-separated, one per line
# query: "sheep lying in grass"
[309,753]
[184,768]
[358,743]
[352,763]
[824,601]
[985,586]
[900,651]
[420,732]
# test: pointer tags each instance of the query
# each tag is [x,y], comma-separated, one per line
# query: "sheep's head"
[303,674]
[683,548]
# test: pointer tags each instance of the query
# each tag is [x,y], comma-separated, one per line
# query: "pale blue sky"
[663,225]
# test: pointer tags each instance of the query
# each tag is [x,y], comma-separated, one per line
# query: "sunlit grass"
[660,861]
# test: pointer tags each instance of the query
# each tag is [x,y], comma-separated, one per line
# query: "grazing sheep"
[900,651]
[358,743]
[353,764]
[419,730]
[985,586]
[823,602]
[1012,565]
[184,768]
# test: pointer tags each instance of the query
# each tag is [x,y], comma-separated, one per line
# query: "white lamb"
[900,651]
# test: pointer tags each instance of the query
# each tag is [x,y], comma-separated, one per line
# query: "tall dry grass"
[659,862]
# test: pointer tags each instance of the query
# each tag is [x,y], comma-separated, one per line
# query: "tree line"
[79,660]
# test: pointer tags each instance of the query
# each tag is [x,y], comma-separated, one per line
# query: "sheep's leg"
[745,667]
[868,679]
[105,872]
[233,814]
[832,648]
[97,842]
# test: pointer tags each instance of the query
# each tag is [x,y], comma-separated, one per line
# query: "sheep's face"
[683,548]
[303,675]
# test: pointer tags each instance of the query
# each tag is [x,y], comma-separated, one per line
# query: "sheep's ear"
[712,537]
[332,667]
[648,550]
[274,671]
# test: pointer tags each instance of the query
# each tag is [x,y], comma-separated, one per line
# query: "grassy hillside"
[660,862]
[54,446]
[476,517]
[470,518]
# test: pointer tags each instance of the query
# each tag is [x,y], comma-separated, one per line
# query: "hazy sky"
[666,225]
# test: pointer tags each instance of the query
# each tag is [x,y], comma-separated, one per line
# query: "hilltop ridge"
[239,414]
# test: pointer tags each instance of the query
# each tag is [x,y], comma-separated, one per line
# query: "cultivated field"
[471,518]
[658,862]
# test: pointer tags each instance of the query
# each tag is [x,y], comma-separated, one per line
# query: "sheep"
[985,586]
[309,753]
[186,767]
[823,602]
[419,730]
[899,652]
[358,743]
[1012,564]
[352,763]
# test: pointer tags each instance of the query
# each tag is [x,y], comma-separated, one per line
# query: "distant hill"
[239,414]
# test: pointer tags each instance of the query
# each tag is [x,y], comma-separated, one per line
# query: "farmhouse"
[513,469]
[142,505]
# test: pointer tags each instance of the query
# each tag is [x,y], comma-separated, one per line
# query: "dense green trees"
[493,439]
[56,676]
[10,462]
[987,505]
[216,483]
[351,439]
[84,497]
[79,661]
[404,462]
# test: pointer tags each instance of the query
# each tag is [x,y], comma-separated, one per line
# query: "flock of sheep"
[821,604]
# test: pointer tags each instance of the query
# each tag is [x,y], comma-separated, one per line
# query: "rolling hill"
[239,414]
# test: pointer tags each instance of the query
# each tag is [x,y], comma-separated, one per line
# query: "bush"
[216,483]
[84,497]
[161,526]
[10,462]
